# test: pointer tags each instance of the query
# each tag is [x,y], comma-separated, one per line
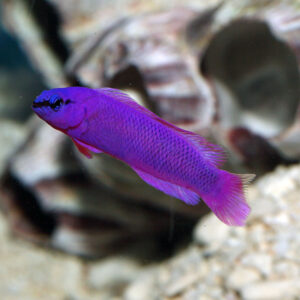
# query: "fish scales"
[140,141]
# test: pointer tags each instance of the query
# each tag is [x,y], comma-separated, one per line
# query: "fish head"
[62,108]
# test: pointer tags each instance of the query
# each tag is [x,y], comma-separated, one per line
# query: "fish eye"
[55,102]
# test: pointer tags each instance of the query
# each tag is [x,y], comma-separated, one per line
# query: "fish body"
[178,162]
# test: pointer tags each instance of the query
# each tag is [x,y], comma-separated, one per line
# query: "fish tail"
[227,200]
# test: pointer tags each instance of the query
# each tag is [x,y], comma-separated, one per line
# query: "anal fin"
[171,189]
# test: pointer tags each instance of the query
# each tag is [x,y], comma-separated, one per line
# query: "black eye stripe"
[41,104]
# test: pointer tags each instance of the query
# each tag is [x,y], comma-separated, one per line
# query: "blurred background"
[73,228]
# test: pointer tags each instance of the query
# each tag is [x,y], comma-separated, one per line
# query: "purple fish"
[180,163]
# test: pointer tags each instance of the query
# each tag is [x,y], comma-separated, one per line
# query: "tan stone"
[242,276]
[272,290]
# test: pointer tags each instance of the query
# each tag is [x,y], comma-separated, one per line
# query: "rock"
[286,269]
[272,290]
[279,219]
[145,287]
[262,208]
[194,295]
[242,276]
[113,273]
[260,261]
[181,284]
[47,147]
[12,135]
[211,231]
[184,271]
[280,187]
[28,272]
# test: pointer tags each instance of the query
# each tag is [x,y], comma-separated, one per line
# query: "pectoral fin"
[85,149]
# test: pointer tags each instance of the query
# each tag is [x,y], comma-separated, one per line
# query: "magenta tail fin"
[228,202]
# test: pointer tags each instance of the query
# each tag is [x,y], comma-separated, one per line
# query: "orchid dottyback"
[180,163]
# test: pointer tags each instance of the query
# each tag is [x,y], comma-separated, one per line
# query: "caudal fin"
[228,201]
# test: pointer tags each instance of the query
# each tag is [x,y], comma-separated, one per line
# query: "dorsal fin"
[123,97]
[213,153]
